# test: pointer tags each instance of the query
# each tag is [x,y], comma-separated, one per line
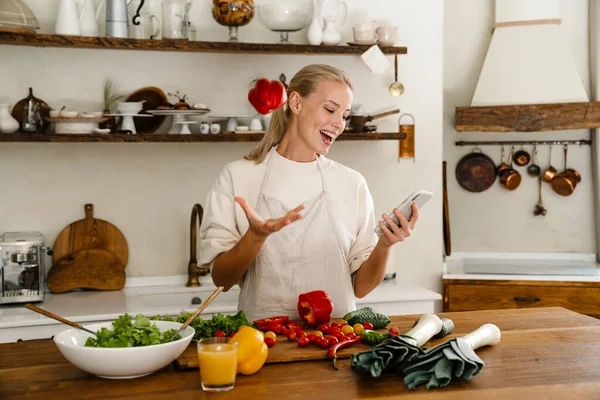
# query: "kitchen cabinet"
[471,295]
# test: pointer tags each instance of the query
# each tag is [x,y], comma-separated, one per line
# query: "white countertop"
[166,296]
[564,267]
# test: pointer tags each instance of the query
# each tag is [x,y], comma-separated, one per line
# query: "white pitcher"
[67,19]
[88,17]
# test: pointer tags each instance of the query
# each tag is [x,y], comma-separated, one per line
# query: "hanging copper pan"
[564,183]
[475,172]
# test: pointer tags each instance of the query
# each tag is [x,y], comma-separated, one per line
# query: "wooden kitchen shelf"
[172,138]
[529,117]
[92,42]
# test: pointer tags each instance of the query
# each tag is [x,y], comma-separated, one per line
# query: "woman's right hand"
[262,227]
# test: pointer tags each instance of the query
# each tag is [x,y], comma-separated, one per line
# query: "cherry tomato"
[394,331]
[319,333]
[344,339]
[367,325]
[351,335]
[270,342]
[219,334]
[312,338]
[300,334]
[303,341]
[346,329]
[276,328]
[323,328]
[291,336]
[232,334]
[343,322]
[338,334]
[324,343]
[335,325]
[358,328]
[332,340]
[271,334]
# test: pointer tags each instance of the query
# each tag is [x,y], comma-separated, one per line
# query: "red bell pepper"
[267,324]
[267,95]
[314,308]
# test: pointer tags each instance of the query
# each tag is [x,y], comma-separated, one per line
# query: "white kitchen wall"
[497,219]
[148,190]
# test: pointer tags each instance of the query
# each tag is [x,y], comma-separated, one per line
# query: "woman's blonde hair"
[304,82]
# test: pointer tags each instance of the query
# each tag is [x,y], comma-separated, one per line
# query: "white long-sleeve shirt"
[292,183]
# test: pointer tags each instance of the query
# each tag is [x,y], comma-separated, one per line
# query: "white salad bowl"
[121,362]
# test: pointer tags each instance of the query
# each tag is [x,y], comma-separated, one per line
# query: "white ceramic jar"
[7,123]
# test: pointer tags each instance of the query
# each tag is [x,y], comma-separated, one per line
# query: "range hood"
[529,81]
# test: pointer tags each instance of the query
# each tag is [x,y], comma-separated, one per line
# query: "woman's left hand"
[397,233]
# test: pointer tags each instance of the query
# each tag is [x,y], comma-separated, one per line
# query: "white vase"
[331,37]
[7,123]
[315,32]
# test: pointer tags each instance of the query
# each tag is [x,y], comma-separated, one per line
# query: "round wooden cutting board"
[90,233]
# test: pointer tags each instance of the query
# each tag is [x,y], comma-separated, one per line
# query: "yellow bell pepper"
[252,350]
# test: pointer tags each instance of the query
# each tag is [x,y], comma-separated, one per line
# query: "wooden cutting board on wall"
[88,254]
[90,233]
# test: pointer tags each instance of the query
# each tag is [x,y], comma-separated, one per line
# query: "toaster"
[22,257]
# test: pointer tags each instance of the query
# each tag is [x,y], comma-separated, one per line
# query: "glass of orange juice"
[218,362]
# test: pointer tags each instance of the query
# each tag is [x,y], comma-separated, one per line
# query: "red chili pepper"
[267,95]
[332,352]
[315,308]
[266,324]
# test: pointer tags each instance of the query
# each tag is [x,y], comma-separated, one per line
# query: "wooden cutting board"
[283,351]
[97,269]
[90,233]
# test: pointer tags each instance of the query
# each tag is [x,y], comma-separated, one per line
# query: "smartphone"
[420,197]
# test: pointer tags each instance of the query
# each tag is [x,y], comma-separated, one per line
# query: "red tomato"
[276,328]
[351,335]
[300,334]
[367,325]
[335,325]
[219,334]
[313,338]
[284,331]
[270,342]
[323,328]
[338,335]
[332,340]
[323,343]
[394,331]
[344,339]
[291,336]
[334,331]
[303,341]
[232,334]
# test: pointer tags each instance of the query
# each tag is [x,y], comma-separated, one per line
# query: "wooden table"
[544,353]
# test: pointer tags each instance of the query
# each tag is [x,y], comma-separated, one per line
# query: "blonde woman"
[286,220]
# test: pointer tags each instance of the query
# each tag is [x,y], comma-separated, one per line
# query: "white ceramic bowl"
[130,107]
[54,113]
[69,114]
[124,362]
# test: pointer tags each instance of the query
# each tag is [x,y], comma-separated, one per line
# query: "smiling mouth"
[328,137]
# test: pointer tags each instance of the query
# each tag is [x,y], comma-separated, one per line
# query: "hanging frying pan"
[476,172]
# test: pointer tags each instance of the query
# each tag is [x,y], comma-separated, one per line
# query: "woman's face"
[322,114]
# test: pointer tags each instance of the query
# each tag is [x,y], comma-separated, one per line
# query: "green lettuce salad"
[125,333]
[205,328]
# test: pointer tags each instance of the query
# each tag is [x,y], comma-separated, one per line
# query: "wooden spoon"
[58,318]
[198,311]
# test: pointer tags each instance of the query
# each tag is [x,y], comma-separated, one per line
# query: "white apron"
[303,256]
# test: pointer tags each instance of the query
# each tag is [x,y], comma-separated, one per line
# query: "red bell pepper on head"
[267,95]
[315,308]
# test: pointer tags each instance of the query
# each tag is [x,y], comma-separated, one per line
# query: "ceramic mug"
[364,36]
[146,29]
[386,35]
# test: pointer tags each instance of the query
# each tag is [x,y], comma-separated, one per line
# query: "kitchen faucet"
[193,270]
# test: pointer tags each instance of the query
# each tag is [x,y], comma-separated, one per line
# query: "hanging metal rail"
[522,142]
